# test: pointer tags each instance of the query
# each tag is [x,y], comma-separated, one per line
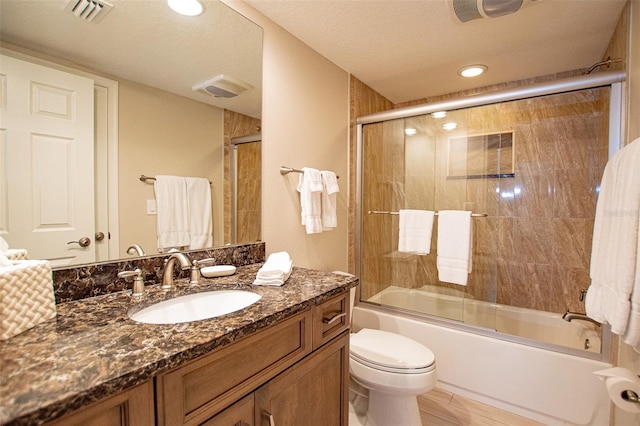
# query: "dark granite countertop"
[93,350]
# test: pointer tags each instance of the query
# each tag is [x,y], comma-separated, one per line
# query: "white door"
[46,169]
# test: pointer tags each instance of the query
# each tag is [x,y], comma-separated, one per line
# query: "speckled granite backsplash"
[83,281]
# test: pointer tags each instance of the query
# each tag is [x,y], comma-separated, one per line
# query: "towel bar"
[436,213]
[144,178]
[284,170]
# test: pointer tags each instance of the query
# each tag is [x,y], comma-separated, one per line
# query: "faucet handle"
[195,269]
[203,262]
[138,281]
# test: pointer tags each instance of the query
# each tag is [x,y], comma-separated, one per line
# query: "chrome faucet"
[167,273]
[570,316]
[135,249]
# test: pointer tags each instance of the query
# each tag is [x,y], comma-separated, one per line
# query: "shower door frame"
[614,79]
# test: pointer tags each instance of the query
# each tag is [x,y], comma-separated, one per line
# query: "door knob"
[82,242]
[99,236]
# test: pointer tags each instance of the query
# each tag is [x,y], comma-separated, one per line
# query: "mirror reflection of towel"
[172,212]
[200,216]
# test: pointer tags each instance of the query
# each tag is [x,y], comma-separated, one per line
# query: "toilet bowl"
[389,371]
[395,370]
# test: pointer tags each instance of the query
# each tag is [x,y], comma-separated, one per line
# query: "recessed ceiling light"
[472,70]
[439,114]
[410,131]
[186,7]
[450,125]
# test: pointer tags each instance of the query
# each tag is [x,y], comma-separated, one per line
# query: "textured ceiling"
[404,49]
[407,49]
[146,42]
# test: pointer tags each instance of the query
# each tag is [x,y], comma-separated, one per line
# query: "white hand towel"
[200,215]
[414,235]
[310,188]
[173,212]
[455,246]
[614,294]
[276,270]
[330,188]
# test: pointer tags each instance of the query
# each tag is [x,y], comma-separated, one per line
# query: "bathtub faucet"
[570,316]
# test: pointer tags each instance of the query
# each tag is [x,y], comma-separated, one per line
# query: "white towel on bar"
[455,246]
[172,212]
[614,293]
[414,234]
[200,215]
[310,188]
[329,190]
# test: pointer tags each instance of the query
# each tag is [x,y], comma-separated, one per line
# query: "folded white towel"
[173,213]
[310,188]
[414,235]
[200,215]
[614,294]
[330,188]
[455,246]
[276,270]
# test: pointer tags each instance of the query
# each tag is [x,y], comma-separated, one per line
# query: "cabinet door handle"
[331,320]
[269,417]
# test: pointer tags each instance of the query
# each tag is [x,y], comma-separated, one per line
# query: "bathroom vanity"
[283,360]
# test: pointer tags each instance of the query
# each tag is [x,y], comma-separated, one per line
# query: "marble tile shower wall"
[533,249]
[83,281]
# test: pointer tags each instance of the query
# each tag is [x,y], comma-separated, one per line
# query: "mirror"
[164,126]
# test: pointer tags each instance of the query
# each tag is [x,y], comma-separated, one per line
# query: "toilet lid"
[390,350]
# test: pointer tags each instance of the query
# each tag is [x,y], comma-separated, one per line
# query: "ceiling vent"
[89,10]
[222,86]
[468,10]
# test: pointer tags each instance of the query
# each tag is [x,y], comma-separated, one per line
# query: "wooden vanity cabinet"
[131,407]
[293,373]
[314,392]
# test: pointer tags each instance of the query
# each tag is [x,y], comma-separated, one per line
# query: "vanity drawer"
[330,319]
[195,392]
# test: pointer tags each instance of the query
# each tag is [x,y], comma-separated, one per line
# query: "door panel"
[47,123]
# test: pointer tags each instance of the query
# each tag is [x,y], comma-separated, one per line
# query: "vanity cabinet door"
[239,414]
[196,391]
[314,392]
[128,408]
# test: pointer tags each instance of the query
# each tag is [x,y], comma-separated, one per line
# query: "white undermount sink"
[197,306]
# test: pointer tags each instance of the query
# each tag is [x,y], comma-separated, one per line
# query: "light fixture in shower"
[468,10]
[439,114]
[450,126]
[472,70]
[410,131]
[186,7]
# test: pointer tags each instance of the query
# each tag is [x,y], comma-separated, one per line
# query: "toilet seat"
[390,352]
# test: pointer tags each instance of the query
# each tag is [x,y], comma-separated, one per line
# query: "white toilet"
[395,370]
[389,371]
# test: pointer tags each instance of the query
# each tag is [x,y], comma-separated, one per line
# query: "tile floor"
[441,408]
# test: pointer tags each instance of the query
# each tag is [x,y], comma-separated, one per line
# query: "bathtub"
[552,387]
[547,327]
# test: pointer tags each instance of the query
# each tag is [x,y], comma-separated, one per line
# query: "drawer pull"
[334,318]
[269,417]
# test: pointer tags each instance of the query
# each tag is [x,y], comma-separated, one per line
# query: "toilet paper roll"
[619,381]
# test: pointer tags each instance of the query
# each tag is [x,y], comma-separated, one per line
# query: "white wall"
[304,123]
